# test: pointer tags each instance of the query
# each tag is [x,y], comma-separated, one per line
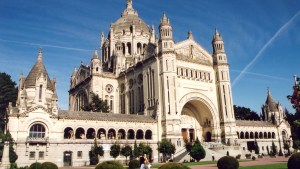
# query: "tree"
[126,151]
[256,147]
[188,146]
[273,149]
[95,152]
[197,151]
[115,150]
[294,119]
[97,105]
[8,93]
[243,113]
[12,154]
[166,148]
[135,150]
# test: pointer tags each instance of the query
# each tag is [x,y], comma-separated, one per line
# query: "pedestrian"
[142,162]
[213,156]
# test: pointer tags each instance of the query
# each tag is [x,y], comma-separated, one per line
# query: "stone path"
[260,161]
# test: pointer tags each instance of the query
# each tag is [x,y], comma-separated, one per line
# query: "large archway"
[197,120]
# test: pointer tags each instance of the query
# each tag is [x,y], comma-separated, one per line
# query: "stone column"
[5,157]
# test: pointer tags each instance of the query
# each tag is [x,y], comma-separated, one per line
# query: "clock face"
[109,88]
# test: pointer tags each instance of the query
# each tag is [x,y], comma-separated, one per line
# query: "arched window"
[37,131]
[130,134]
[242,135]
[90,134]
[247,135]
[111,134]
[148,135]
[121,134]
[140,134]
[80,133]
[273,135]
[101,134]
[251,135]
[68,133]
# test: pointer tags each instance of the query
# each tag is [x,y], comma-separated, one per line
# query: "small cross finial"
[190,35]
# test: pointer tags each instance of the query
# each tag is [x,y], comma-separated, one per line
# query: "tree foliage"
[135,150]
[294,119]
[166,148]
[115,150]
[197,151]
[243,113]
[12,154]
[126,151]
[95,152]
[256,147]
[96,105]
[8,93]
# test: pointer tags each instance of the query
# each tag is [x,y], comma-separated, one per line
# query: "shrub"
[13,166]
[238,156]
[294,161]
[253,158]
[36,165]
[133,164]
[172,165]
[49,165]
[109,165]
[24,167]
[228,162]
[248,156]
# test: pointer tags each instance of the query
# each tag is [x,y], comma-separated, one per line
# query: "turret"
[271,110]
[166,42]
[96,66]
[218,49]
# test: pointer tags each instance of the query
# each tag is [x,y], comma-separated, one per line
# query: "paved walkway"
[260,161]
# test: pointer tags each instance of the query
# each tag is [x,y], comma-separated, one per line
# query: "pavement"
[259,161]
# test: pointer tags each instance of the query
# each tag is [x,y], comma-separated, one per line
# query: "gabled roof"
[36,71]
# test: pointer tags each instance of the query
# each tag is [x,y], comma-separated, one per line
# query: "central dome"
[129,18]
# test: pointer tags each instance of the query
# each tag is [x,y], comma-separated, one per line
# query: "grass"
[270,166]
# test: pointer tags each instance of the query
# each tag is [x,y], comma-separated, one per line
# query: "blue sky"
[262,38]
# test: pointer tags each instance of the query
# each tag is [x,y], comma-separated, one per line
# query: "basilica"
[154,88]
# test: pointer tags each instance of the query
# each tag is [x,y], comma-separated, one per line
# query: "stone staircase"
[217,150]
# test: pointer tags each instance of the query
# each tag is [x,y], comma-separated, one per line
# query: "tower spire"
[40,55]
[129,9]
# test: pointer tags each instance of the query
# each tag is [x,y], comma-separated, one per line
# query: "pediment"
[38,109]
[190,50]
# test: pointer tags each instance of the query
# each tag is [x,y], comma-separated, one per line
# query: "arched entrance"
[197,121]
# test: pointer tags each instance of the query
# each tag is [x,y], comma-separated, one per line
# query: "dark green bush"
[133,164]
[13,166]
[294,161]
[238,156]
[109,165]
[35,166]
[49,165]
[253,158]
[228,162]
[24,167]
[172,165]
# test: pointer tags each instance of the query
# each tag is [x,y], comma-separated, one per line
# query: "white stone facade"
[155,88]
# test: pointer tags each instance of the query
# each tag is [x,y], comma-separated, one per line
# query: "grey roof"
[254,123]
[36,71]
[217,36]
[270,102]
[81,115]
[128,18]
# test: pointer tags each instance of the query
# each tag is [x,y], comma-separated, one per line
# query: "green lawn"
[270,166]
